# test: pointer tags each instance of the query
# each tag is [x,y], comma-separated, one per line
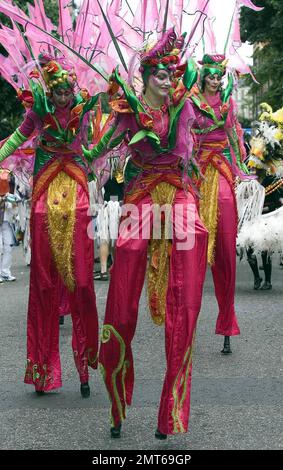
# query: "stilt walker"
[155,127]
[219,152]
[61,249]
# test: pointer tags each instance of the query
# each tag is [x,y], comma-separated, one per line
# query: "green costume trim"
[212,66]
[42,105]
[209,69]
[199,100]
[191,75]
[226,93]
[131,171]
[12,144]
[133,101]
[45,109]
[174,112]
[107,330]
[104,143]
[190,78]
[206,130]
[234,142]
[181,382]
[148,67]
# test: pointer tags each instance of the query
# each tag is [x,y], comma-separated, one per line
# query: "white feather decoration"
[250,199]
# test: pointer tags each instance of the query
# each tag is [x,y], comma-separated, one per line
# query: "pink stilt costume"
[62,251]
[160,146]
[219,152]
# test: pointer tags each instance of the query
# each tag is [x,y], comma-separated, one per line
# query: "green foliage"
[11,110]
[263,26]
[50,7]
[245,122]
[264,30]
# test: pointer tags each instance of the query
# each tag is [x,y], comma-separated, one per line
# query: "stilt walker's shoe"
[159,435]
[257,282]
[101,277]
[85,390]
[116,431]
[226,347]
[266,286]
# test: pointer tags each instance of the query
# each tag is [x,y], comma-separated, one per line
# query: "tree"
[264,30]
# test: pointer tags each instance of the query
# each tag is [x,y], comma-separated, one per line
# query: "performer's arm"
[20,136]
[239,131]
[111,139]
[12,144]
[236,138]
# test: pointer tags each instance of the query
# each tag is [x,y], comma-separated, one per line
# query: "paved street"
[236,399]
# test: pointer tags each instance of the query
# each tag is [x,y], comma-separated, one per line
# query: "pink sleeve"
[231,118]
[190,111]
[123,123]
[30,123]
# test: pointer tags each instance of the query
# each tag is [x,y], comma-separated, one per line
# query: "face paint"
[212,83]
[62,97]
[159,83]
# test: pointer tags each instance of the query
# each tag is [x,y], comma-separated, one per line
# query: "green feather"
[113,37]
[143,134]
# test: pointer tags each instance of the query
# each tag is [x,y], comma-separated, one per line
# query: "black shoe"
[101,277]
[85,390]
[39,392]
[266,286]
[226,347]
[61,320]
[116,431]
[159,435]
[257,282]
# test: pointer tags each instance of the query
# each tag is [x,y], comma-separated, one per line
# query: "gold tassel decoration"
[209,208]
[159,253]
[61,203]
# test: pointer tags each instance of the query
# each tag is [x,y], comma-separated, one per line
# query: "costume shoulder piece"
[164,55]
[43,80]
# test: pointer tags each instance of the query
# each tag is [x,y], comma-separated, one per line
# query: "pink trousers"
[43,358]
[184,294]
[224,268]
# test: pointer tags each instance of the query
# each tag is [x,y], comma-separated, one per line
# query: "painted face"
[212,83]
[62,97]
[159,83]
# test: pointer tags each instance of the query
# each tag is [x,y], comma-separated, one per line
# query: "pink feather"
[65,28]
[249,4]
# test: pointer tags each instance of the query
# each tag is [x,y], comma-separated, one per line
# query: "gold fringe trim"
[61,204]
[159,252]
[209,208]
